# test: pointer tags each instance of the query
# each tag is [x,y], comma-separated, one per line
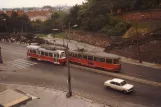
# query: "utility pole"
[63,32]
[1,61]
[138,46]
[69,94]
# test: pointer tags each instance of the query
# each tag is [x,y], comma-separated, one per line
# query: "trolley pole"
[1,61]
[69,94]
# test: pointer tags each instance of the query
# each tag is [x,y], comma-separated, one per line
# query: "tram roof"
[33,46]
[96,53]
[46,50]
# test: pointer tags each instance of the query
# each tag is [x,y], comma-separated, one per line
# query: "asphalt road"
[84,83]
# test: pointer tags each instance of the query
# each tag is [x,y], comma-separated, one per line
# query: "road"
[24,71]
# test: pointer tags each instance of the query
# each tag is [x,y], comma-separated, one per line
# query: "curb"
[136,62]
[158,84]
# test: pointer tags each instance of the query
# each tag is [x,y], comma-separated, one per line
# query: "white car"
[119,84]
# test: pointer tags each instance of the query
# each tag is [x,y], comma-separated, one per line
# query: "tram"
[42,54]
[93,59]
[104,61]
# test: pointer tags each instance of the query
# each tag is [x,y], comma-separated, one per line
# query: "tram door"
[56,56]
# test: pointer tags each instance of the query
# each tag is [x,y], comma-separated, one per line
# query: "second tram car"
[104,61]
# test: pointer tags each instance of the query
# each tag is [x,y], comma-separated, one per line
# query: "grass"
[41,35]
[142,27]
[59,35]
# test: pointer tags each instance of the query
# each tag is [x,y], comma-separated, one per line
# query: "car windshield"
[123,83]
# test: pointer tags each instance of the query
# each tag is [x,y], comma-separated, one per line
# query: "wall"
[140,15]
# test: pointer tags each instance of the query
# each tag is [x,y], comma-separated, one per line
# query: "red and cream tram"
[42,54]
[104,61]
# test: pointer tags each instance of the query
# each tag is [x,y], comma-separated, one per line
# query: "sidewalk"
[75,45]
[46,97]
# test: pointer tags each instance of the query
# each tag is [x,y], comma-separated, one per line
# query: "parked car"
[119,84]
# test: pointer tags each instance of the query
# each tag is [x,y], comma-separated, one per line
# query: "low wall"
[142,15]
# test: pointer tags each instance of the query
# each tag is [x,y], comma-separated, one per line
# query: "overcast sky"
[36,3]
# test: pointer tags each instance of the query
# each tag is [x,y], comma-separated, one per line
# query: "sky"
[36,3]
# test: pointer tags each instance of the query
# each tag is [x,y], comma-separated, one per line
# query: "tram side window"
[116,61]
[56,55]
[96,59]
[109,61]
[42,53]
[84,56]
[39,52]
[74,55]
[34,51]
[46,53]
[102,59]
[50,54]
[79,56]
[29,50]
[90,58]
[70,54]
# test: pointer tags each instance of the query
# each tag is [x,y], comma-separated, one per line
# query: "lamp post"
[1,61]
[69,94]
[5,24]
[138,38]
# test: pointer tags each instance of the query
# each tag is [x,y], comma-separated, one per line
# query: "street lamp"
[5,24]
[69,94]
[138,38]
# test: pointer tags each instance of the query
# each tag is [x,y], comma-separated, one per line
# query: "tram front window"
[63,54]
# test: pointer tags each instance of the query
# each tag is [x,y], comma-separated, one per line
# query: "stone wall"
[95,39]
[142,15]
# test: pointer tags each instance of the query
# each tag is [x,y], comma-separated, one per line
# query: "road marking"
[20,63]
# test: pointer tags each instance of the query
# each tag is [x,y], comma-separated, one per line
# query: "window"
[102,59]
[50,54]
[39,52]
[116,61]
[63,54]
[79,56]
[96,59]
[29,50]
[123,83]
[42,53]
[70,54]
[109,61]
[90,58]
[112,83]
[34,51]
[117,84]
[55,55]
[74,55]
[84,56]
[46,53]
